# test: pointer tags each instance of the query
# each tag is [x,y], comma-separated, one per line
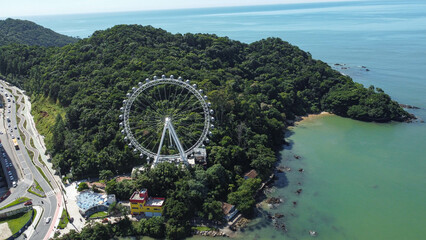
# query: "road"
[26,168]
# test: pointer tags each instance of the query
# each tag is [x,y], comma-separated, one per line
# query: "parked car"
[28,203]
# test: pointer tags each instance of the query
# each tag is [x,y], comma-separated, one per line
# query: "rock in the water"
[273,200]
[408,106]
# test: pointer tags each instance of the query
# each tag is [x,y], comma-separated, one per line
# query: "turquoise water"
[361,180]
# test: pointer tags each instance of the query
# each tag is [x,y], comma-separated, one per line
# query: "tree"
[106,175]
[82,186]
[58,135]
[243,198]
[212,210]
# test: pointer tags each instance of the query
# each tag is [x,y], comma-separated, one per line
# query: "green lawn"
[203,228]
[98,214]
[45,111]
[16,222]
[38,187]
[17,201]
[44,176]
[64,220]
[40,160]
[32,143]
[35,193]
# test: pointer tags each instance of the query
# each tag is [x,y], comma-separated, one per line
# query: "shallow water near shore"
[360,181]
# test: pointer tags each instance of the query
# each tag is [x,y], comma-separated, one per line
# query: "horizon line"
[183,8]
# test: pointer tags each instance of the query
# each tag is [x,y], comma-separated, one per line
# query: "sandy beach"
[311,117]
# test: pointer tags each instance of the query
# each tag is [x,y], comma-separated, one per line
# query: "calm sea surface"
[361,180]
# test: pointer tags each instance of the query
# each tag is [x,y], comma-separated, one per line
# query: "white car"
[48,220]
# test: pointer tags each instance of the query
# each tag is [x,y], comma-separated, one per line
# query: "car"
[48,220]
[12,178]
[13,137]
[8,110]
[16,127]
[8,125]
[8,106]
[10,173]
[18,138]
[28,203]
[14,185]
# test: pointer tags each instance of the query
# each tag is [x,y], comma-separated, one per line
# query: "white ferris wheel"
[166,119]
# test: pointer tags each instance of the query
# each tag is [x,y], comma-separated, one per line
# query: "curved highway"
[26,169]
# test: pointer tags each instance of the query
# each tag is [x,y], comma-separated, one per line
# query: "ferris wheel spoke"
[147,146]
[180,97]
[166,99]
[142,100]
[149,103]
[144,107]
[174,97]
[183,113]
[186,103]
[188,136]
[160,100]
[184,99]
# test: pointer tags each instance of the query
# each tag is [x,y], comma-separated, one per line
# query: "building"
[251,174]
[229,211]
[142,203]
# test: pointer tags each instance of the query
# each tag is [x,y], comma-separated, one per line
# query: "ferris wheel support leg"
[157,158]
[177,142]
[169,126]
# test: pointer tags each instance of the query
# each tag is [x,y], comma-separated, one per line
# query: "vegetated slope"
[253,87]
[27,32]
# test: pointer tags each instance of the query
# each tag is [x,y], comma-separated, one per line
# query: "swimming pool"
[90,199]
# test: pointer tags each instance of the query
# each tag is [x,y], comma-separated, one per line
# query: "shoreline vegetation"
[256,90]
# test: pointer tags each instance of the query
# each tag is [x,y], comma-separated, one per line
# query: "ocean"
[360,180]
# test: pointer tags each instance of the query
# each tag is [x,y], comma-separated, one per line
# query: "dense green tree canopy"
[26,32]
[254,88]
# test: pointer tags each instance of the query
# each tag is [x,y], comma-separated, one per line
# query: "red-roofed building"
[140,203]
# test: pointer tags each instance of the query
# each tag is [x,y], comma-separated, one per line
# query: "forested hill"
[26,32]
[254,89]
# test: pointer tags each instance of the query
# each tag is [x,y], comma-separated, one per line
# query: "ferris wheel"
[166,119]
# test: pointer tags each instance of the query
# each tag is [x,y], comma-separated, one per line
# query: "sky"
[17,8]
